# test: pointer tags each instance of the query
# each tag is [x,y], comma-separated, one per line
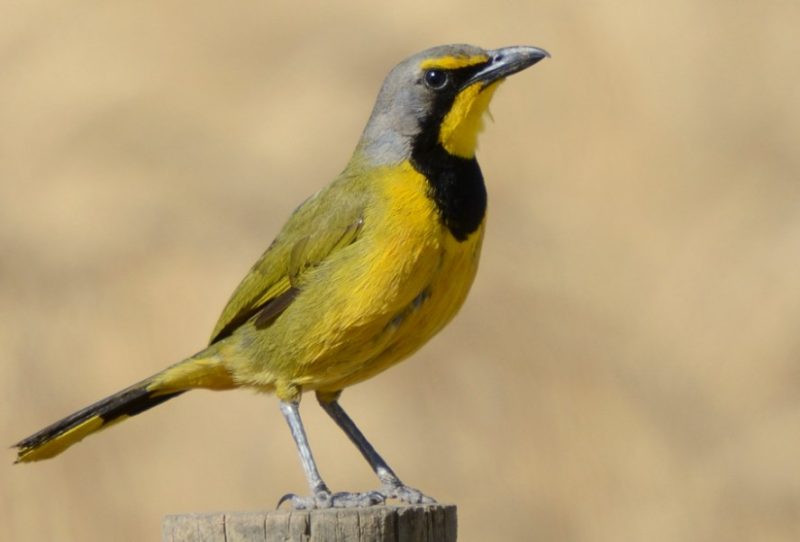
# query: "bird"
[362,274]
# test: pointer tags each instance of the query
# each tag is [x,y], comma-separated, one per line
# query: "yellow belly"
[448,282]
[370,305]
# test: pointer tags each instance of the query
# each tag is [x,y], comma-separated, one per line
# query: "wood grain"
[381,523]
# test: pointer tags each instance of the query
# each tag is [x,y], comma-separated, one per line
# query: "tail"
[195,372]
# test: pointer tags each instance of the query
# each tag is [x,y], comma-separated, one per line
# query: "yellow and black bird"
[362,274]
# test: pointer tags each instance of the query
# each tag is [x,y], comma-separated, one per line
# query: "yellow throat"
[459,130]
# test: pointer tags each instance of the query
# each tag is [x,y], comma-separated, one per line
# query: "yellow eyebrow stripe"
[453,62]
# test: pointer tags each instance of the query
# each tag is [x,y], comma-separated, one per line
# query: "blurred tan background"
[628,364]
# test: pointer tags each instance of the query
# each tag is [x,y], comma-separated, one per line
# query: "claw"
[287,497]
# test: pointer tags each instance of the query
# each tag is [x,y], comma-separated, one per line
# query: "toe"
[407,494]
[321,500]
[335,500]
[357,500]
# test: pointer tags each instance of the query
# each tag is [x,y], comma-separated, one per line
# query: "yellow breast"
[416,278]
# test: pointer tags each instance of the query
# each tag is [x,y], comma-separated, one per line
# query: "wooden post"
[428,523]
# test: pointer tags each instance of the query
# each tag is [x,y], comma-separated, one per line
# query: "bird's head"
[438,98]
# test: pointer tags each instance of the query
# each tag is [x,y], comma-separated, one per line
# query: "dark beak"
[507,61]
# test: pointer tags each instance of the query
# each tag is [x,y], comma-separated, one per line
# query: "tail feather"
[55,438]
[203,370]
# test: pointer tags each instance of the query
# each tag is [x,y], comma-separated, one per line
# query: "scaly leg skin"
[392,487]
[321,496]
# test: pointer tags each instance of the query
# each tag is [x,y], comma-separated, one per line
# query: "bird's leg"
[392,487]
[319,490]
[321,496]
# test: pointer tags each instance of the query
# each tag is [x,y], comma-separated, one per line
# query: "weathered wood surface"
[379,523]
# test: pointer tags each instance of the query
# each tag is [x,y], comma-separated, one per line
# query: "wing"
[323,224]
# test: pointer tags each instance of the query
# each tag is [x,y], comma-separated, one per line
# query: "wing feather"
[324,224]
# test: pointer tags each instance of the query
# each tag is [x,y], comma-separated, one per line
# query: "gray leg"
[392,487]
[291,411]
[321,496]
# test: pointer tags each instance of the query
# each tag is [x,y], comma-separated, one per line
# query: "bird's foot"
[326,499]
[406,494]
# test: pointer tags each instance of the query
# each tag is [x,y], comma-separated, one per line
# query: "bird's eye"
[436,79]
